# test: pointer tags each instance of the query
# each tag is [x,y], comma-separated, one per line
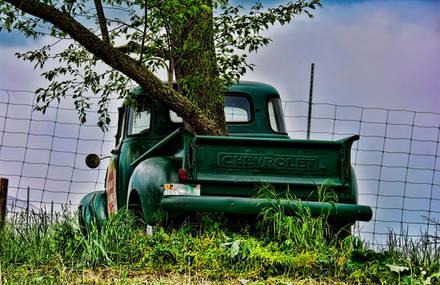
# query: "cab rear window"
[237,110]
[140,120]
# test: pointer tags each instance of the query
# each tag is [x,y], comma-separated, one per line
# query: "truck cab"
[156,166]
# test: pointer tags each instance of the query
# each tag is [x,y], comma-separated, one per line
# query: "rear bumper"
[339,212]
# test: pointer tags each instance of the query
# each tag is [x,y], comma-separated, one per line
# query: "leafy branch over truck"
[203,45]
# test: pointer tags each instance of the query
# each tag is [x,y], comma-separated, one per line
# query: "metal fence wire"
[396,160]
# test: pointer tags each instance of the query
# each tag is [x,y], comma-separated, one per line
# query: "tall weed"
[301,229]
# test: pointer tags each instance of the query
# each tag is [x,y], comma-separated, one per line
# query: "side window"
[140,120]
[276,118]
[119,131]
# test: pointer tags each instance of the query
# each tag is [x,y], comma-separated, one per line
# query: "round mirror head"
[92,160]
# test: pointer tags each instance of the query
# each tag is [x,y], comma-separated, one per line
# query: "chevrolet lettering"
[279,162]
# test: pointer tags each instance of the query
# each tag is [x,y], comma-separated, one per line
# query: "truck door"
[111,179]
[134,142]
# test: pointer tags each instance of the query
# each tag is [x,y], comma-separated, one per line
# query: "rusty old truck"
[155,166]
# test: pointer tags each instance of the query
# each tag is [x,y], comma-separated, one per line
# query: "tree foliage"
[203,45]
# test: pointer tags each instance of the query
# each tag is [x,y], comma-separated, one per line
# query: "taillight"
[183,175]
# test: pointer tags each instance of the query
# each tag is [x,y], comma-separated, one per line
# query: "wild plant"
[305,231]
[111,241]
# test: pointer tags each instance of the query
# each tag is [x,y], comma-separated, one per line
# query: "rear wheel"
[135,207]
[341,230]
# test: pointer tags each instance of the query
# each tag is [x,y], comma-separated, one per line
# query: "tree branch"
[158,59]
[102,21]
[144,33]
[190,113]
[134,47]
[130,47]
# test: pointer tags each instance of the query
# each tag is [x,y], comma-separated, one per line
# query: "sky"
[375,53]
[367,53]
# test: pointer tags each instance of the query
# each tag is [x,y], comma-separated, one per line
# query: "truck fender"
[354,188]
[92,208]
[146,182]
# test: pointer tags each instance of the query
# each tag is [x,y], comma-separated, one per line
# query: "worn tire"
[341,231]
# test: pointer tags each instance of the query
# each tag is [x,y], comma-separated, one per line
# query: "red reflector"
[182,175]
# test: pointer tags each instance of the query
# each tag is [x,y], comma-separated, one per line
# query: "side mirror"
[92,160]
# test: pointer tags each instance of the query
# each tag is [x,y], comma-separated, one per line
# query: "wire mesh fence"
[46,152]
[396,160]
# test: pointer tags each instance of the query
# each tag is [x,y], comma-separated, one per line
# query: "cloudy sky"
[375,53]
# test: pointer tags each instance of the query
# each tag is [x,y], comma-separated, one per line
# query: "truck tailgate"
[264,160]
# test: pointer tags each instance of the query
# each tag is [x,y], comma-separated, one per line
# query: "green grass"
[280,250]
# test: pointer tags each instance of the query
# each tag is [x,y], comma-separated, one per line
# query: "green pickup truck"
[157,167]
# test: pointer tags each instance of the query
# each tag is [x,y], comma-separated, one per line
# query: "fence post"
[3,198]
[27,205]
[51,212]
[309,116]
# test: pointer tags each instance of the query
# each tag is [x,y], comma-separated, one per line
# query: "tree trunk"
[196,67]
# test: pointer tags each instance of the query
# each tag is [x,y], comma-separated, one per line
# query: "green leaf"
[206,8]
[397,268]
[235,248]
